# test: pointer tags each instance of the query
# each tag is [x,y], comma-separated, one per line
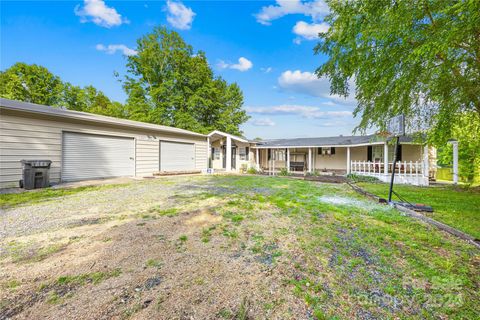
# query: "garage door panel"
[175,156]
[88,156]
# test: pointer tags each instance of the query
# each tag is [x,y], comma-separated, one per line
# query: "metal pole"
[393,170]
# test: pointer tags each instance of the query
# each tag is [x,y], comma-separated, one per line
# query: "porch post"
[348,160]
[228,154]
[426,172]
[257,160]
[454,144]
[385,157]
[209,157]
[288,159]
[309,159]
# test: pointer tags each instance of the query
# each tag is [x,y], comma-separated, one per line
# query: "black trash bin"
[35,174]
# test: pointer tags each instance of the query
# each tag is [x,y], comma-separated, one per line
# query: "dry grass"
[237,248]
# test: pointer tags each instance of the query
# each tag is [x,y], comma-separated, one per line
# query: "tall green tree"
[169,83]
[466,130]
[31,83]
[36,84]
[89,99]
[420,58]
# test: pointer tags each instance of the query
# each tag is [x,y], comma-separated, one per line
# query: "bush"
[284,172]
[358,178]
[314,173]
[244,168]
[252,170]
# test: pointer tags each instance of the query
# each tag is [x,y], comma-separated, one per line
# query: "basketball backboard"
[396,126]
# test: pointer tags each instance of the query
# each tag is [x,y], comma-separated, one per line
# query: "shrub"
[284,172]
[314,173]
[359,178]
[252,170]
[244,168]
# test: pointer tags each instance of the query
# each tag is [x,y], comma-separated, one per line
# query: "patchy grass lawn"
[458,207]
[231,247]
[35,196]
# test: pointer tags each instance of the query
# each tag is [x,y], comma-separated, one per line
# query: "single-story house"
[370,155]
[88,146]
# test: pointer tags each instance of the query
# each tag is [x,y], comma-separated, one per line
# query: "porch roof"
[216,134]
[338,141]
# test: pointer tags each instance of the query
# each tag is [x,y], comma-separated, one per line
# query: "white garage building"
[88,146]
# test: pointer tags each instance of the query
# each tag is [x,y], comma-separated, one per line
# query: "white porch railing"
[405,172]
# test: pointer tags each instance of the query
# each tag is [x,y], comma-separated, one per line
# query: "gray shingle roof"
[62,113]
[327,141]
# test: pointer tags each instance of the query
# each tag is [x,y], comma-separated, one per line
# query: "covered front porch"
[228,152]
[374,159]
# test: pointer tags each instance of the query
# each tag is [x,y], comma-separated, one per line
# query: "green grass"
[94,278]
[355,257]
[458,207]
[171,212]
[11,284]
[35,196]
[154,263]
[25,252]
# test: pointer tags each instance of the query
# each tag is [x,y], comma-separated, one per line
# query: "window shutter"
[269,154]
[213,153]
[332,150]
[399,153]
[369,153]
[247,151]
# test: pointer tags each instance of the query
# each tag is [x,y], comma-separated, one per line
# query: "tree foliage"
[170,84]
[31,83]
[36,84]
[420,58]
[167,83]
[467,130]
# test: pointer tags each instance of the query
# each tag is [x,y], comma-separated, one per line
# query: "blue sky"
[264,46]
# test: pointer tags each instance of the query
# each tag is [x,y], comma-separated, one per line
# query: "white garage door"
[175,156]
[89,156]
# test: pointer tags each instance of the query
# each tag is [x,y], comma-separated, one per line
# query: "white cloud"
[266,70]
[265,122]
[315,9]
[99,13]
[303,111]
[243,64]
[179,15]
[308,83]
[309,31]
[113,48]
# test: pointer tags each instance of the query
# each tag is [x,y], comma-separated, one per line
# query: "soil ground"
[227,247]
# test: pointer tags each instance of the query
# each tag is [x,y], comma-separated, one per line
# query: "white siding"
[147,157]
[31,137]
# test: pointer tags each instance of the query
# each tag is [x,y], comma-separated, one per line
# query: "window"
[377,153]
[243,153]
[275,154]
[216,153]
[326,151]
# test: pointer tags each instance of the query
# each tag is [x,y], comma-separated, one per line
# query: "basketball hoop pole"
[395,155]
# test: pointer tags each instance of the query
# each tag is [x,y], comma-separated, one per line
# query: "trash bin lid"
[37,163]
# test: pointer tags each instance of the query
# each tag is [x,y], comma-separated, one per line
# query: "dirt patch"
[187,279]
[203,218]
